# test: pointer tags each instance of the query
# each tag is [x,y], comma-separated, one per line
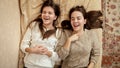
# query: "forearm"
[36,50]
[67,44]
[63,51]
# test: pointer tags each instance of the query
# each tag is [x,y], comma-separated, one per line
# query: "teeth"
[76,25]
[46,19]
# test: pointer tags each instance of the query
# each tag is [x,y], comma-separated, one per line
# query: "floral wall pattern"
[111,34]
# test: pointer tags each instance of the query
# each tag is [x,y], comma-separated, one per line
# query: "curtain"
[30,10]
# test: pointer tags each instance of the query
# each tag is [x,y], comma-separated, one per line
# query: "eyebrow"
[77,17]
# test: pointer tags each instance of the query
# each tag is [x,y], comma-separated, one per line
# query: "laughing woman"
[40,38]
[78,47]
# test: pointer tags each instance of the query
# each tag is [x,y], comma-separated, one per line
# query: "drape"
[30,10]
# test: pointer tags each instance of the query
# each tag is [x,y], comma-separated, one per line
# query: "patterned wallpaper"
[111,34]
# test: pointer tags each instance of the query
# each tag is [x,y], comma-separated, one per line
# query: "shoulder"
[94,31]
[91,34]
[33,24]
[67,32]
[95,34]
[62,32]
[97,30]
[58,32]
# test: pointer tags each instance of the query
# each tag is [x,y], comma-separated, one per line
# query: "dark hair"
[78,8]
[93,20]
[66,24]
[92,17]
[56,8]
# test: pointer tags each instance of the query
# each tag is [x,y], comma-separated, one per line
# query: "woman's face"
[48,15]
[77,21]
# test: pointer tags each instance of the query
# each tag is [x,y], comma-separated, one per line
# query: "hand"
[39,50]
[48,53]
[74,37]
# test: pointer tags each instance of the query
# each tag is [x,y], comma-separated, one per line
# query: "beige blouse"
[82,51]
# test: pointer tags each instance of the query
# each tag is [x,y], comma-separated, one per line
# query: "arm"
[61,51]
[38,50]
[64,44]
[97,49]
[26,41]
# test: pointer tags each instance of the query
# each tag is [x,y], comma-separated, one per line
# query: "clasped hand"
[39,50]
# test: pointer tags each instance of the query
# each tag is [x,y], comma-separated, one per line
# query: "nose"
[75,20]
[46,14]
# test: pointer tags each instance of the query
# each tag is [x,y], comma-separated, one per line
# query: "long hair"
[94,19]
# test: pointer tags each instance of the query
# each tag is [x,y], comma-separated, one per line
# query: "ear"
[55,17]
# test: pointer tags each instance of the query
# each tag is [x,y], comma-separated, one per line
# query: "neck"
[80,32]
[48,27]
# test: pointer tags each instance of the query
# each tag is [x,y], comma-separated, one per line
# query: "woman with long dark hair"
[40,38]
[78,47]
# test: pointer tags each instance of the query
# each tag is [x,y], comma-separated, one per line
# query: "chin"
[46,23]
[75,29]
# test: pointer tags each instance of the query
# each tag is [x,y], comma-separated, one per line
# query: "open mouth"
[46,19]
[76,25]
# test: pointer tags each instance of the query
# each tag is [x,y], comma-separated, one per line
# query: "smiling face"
[77,21]
[48,16]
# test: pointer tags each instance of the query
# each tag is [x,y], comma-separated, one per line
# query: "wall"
[9,33]
[111,41]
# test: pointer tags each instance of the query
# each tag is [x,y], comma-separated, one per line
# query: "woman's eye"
[50,12]
[72,19]
[44,12]
[78,18]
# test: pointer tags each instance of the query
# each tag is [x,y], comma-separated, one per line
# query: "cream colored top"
[32,38]
[82,51]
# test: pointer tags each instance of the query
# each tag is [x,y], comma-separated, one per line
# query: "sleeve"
[26,40]
[96,48]
[54,56]
[62,52]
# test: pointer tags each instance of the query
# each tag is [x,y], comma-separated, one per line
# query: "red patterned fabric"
[111,34]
